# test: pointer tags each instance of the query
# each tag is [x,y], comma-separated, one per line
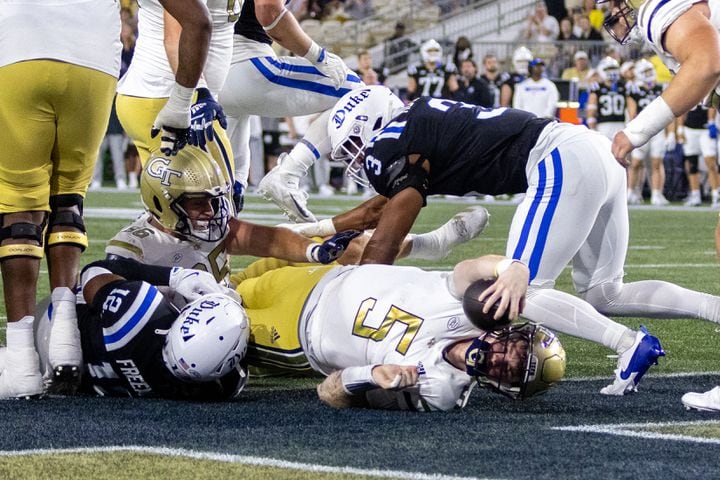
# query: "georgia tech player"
[188,222]
[178,44]
[431,77]
[261,83]
[445,147]
[136,343]
[607,101]
[683,33]
[383,342]
[58,72]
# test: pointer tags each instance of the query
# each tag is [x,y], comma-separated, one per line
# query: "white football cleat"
[659,200]
[283,189]
[64,350]
[706,402]
[461,228]
[20,377]
[634,199]
[634,362]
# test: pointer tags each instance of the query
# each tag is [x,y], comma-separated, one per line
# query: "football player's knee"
[603,296]
[21,239]
[66,226]
[692,161]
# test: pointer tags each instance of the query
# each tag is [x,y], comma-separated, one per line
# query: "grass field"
[280,430]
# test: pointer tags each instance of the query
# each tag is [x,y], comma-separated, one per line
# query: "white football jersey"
[146,243]
[655,16]
[81,32]
[150,75]
[380,314]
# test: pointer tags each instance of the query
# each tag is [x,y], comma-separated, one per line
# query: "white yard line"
[635,430]
[240,459]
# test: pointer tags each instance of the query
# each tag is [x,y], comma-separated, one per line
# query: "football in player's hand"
[474,308]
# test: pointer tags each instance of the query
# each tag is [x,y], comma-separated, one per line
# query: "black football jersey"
[611,101]
[122,335]
[469,148]
[643,95]
[513,79]
[697,117]
[248,25]
[496,86]
[432,83]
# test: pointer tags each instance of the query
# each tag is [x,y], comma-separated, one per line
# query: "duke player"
[59,64]
[383,342]
[261,83]
[699,131]
[574,211]
[431,77]
[684,33]
[607,100]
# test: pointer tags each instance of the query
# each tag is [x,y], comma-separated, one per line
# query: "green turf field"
[280,430]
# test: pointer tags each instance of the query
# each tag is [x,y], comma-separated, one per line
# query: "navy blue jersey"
[469,148]
[248,25]
[697,117]
[431,83]
[643,95]
[122,335]
[610,101]
[512,79]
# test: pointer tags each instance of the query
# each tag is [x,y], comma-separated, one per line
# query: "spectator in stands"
[463,51]
[370,77]
[556,9]
[494,76]
[586,31]
[335,10]
[537,94]
[473,89]
[358,9]
[595,14]
[431,77]
[579,70]
[541,27]
[566,30]
[365,64]
[397,49]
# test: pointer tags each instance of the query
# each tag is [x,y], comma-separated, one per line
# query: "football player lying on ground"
[188,224]
[575,208]
[396,337]
[136,343]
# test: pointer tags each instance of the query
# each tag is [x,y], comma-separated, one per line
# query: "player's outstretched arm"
[346,388]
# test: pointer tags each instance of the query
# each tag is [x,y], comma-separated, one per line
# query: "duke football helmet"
[167,182]
[519,361]
[621,19]
[521,58]
[355,119]
[609,69]
[431,51]
[645,72]
[208,339]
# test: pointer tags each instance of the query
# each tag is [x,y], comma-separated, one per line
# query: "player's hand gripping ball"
[474,308]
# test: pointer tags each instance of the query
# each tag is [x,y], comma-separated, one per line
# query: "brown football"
[474,308]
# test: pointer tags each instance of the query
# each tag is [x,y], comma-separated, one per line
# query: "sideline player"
[58,71]
[575,209]
[431,77]
[135,342]
[261,83]
[383,342]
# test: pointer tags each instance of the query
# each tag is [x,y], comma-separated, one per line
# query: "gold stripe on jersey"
[274,302]
[53,118]
[126,246]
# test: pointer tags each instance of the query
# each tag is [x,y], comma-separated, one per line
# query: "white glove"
[193,284]
[328,63]
[174,120]
[322,228]
[670,142]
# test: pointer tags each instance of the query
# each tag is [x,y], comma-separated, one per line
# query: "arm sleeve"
[134,270]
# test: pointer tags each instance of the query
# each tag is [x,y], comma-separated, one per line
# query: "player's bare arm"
[171,39]
[194,40]
[250,239]
[340,389]
[282,26]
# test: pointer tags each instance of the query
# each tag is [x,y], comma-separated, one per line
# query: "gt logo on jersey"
[158,168]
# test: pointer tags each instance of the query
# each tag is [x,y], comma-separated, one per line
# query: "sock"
[20,333]
[425,246]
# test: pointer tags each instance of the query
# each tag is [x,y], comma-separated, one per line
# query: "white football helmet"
[356,118]
[167,181]
[431,51]
[208,339]
[522,56]
[609,69]
[645,72]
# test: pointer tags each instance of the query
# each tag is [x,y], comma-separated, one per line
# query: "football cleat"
[283,189]
[64,351]
[706,402]
[659,200]
[20,377]
[634,362]
[461,228]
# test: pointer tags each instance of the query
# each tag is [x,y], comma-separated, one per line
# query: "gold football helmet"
[519,361]
[167,182]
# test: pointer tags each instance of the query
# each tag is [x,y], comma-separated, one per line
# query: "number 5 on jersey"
[394,315]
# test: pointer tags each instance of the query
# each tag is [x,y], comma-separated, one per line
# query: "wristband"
[315,53]
[358,379]
[655,117]
[180,97]
[504,264]
[325,228]
[311,253]
[276,21]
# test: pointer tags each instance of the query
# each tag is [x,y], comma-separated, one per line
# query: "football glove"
[321,228]
[328,64]
[174,121]
[238,196]
[202,115]
[332,248]
[713,131]
[193,284]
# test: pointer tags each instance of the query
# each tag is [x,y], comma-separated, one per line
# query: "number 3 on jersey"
[394,315]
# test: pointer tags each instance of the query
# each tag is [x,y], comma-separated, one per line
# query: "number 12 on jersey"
[394,315]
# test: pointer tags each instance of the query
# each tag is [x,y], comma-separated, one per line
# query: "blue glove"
[332,248]
[712,131]
[202,115]
[238,196]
